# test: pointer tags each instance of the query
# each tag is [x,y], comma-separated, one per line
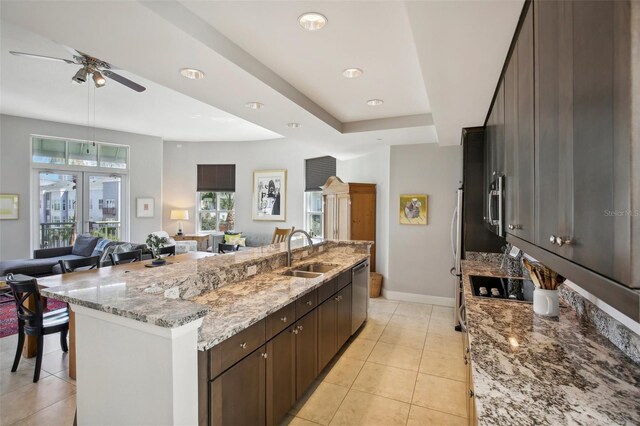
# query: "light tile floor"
[404,367]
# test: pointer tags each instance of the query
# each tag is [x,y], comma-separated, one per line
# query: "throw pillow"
[84,245]
[232,239]
[242,242]
[101,247]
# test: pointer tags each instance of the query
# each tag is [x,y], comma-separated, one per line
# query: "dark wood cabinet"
[306,351]
[238,394]
[327,331]
[343,316]
[494,154]
[281,375]
[583,96]
[519,135]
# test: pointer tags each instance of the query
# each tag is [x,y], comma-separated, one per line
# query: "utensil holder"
[546,302]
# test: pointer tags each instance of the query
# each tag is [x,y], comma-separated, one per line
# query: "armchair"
[181,246]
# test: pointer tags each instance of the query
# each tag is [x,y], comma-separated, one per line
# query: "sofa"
[45,261]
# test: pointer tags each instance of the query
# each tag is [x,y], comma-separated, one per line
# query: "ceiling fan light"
[81,75]
[98,79]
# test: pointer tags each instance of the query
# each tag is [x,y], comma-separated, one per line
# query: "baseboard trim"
[419,298]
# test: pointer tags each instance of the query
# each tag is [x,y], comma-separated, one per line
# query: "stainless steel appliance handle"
[489,207]
[360,266]
[463,323]
[500,206]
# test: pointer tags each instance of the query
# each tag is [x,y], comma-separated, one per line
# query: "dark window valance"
[317,171]
[217,177]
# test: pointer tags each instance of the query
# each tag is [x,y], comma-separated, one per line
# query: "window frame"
[308,213]
[216,210]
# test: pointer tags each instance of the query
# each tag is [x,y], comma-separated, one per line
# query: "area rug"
[9,318]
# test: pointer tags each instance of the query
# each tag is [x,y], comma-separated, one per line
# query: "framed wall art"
[145,207]
[8,206]
[413,209]
[269,195]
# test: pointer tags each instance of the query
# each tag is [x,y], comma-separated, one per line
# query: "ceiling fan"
[95,67]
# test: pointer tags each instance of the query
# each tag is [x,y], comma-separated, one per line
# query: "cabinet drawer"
[344,279]
[280,319]
[327,289]
[306,303]
[232,350]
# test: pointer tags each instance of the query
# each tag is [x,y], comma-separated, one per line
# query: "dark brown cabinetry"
[238,394]
[583,140]
[334,325]
[306,351]
[494,161]
[281,375]
[519,135]
[343,315]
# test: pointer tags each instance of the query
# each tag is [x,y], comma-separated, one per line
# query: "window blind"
[317,171]
[217,177]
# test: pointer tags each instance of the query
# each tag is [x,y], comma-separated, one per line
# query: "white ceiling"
[256,51]
[373,36]
[43,90]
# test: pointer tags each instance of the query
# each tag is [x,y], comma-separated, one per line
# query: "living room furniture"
[227,248]
[179,215]
[126,257]
[32,321]
[87,263]
[202,240]
[280,234]
[168,250]
[182,246]
[350,212]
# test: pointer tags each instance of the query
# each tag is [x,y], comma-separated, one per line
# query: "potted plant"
[155,243]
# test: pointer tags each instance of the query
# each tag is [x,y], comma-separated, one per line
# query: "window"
[216,204]
[78,153]
[216,211]
[317,171]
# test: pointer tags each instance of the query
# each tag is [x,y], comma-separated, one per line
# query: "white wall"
[373,168]
[420,256]
[179,178]
[145,176]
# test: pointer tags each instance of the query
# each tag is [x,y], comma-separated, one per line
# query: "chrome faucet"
[289,243]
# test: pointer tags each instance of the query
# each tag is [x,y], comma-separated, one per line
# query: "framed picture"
[413,209]
[269,195]
[8,206]
[145,207]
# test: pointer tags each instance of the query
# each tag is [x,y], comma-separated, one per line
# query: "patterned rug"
[9,318]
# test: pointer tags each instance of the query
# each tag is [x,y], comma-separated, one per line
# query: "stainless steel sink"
[301,274]
[316,267]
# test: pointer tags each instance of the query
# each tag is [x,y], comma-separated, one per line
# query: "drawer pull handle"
[337,298]
[264,355]
[300,327]
[471,393]
[283,319]
[295,331]
[309,302]
[243,345]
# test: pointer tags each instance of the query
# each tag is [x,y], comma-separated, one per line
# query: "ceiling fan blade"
[48,58]
[123,80]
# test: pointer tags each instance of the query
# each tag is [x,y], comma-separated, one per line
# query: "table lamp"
[180,215]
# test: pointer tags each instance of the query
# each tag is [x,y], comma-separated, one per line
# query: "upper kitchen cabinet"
[583,134]
[519,135]
[350,212]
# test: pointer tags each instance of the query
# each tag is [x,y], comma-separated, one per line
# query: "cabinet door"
[281,376]
[498,148]
[238,394]
[327,340]
[601,119]
[330,219]
[306,352]
[524,222]
[553,121]
[343,316]
[344,217]
[511,143]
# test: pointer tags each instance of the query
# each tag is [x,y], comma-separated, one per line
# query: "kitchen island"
[141,335]
[530,370]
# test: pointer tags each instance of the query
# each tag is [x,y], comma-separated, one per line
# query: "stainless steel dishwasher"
[360,294]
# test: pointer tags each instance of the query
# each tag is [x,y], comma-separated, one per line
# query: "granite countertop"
[237,306]
[530,370]
[184,291]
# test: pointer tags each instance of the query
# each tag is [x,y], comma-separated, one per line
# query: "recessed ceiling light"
[294,125]
[191,73]
[312,21]
[352,72]
[375,102]
[254,105]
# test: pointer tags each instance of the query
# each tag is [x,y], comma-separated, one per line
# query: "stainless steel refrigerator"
[456,249]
